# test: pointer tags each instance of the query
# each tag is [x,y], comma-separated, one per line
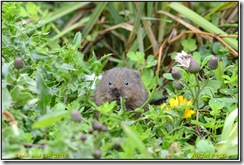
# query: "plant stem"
[198,91]
[17,76]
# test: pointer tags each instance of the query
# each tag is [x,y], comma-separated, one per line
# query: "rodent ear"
[137,73]
[105,73]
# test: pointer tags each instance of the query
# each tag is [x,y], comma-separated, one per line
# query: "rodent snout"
[116,92]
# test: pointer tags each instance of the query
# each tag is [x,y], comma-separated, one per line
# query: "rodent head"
[121,82]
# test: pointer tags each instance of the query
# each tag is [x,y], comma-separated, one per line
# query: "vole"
[122,82]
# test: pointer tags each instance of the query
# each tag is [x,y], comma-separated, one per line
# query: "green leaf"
[219,102]
[6,99]
[58,107]
[37,55]
[227,91]
[197,57]
[66,66]
[136,140]
[23,12]
[104,57]
[216,46]
[205,147]
[138,56]
[205,60]
[151,61]
[219,72]
[210,88]
[216,104]
[195,122]
[107,108]
[168,76]
[49,119]
[132,56]
[32,9]
[189,45]
[77,41]
[43,92]
[5,69]
[21,97]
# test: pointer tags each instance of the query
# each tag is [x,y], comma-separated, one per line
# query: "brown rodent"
[122,82]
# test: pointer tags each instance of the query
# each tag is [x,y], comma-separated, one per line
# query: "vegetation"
[53,54]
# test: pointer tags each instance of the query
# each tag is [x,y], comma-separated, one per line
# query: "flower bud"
[97,154]
[176,74]
[104,128]
[194,67]
[18,63]
[117,145]
[213,63]
[96,125]
[91,131]
[178,85]
[83,137]
[75,116]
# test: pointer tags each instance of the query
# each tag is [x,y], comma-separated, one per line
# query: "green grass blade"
[96,13]
[136,24]
[202,22]
[82,21]
[228,126]
[140,39]
[65,10]
[135,44]
[114,13]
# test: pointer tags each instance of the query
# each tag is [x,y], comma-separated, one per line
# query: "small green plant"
[54,53]
[197,80]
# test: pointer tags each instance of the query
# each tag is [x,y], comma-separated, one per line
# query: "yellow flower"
[173,102]
[184,101]
[179,100]
[163,105]
[188,113]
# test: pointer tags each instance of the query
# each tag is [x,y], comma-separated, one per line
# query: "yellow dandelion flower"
[188,113]
[181,99]
[173,102]
[184,101]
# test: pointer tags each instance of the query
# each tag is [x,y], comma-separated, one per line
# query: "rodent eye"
[126,83]
[109,83]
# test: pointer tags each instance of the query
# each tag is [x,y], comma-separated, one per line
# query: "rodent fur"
[122,82]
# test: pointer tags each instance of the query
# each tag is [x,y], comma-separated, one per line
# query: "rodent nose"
[116,92]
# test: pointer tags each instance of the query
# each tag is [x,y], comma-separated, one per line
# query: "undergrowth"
[53,54]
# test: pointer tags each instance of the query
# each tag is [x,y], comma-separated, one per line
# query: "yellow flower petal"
[188,113]
[189,103]
[186,101]
[180,98]
[173,102]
